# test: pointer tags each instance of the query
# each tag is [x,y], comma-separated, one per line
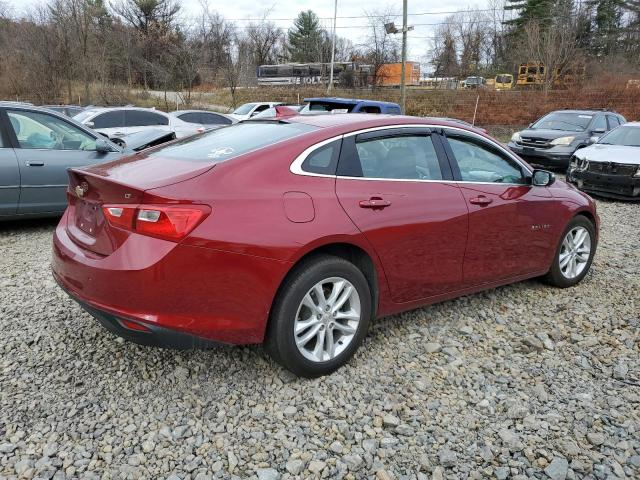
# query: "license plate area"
[87,216]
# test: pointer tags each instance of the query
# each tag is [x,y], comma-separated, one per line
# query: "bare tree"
[380,47]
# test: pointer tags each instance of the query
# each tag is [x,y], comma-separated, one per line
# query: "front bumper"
[622,187]
[171,288]
[554,157]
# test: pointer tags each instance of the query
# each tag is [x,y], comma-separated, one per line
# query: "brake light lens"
[168,222]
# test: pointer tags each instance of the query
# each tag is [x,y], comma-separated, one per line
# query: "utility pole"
[403,86]
[333,46]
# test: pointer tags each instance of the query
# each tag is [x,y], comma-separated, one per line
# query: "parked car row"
[598,149]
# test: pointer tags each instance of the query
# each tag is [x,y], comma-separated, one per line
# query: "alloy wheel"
[327,319]
[575,252]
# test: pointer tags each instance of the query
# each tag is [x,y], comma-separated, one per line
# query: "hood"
[610,153]
[550,134]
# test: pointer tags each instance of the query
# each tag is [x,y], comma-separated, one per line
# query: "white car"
[249,110]
[114,122]
[611,166]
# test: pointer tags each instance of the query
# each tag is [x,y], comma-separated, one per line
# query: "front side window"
[600,123]
[482,163]
[35,130]
[140,118]
[113,119]
[401,157]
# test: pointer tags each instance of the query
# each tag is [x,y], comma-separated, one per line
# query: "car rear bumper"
[171,289]
[612,186]
[555,157]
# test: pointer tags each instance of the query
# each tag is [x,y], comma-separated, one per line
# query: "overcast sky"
[283,12]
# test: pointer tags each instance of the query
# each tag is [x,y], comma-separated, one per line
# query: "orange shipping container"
[389,74]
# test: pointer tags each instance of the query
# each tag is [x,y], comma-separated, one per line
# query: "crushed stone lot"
[524,381]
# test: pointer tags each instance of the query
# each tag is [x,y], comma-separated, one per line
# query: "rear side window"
[140,118]
[600,123]
[407,157]
[227,143]
[112,119]
[370,109]
[323,160]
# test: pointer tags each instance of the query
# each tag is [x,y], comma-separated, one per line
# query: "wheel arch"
[350,251]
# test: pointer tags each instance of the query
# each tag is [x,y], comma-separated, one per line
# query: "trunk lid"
[93,187]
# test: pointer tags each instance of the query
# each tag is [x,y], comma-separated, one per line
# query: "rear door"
[9,171]
[395,185]
[511,223]
[46,145]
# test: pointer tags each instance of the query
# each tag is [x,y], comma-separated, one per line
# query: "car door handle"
[480,200]
[35,164]
[374,202]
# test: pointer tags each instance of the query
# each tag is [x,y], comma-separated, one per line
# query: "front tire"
[320,316]
[574,255]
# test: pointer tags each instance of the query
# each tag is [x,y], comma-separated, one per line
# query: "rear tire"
[574,255]
[320,316]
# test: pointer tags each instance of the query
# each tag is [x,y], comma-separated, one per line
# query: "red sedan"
[298,232]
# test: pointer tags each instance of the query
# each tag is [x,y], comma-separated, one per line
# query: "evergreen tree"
[306,38]
[607,25]
[530,10]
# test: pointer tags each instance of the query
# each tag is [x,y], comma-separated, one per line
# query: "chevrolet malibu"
[298,232]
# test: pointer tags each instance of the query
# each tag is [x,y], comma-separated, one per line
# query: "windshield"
[244,109]
[231,141]
[573,122]
[623,136]
[504,79]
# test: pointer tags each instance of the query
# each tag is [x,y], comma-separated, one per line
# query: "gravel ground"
[524,381]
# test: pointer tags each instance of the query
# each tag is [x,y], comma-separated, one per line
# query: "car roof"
[348,101]
[585,111]
[180,112]
[347,122]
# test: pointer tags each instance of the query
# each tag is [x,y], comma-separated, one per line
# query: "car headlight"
[637,174]
[515,138]
[562,141]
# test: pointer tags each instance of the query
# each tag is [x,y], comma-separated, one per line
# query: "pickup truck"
[348,105]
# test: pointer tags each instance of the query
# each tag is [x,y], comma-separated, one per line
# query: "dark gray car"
[552,140]
[37,146]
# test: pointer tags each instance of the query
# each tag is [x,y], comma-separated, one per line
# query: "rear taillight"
[168,222]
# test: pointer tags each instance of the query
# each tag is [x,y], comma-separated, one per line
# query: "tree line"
[594,36]
[79,50]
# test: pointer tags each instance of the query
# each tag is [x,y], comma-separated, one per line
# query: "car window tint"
[370,109]
[259,109]
[600,123]
[191,117]
[402,157]
[226,143]
[613,121]
[323,160]
[113,119]
[140,118]
[36,130]
[213,119]
[480,162]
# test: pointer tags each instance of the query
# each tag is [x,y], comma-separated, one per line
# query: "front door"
[510,221]
[47,146]
[393,185]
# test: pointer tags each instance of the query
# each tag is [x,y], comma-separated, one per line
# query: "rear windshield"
[623,136]
[229,142]
[330,106]
[573,122]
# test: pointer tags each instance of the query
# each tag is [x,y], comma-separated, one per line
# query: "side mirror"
[90,124]
[542,178]
[102,146]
